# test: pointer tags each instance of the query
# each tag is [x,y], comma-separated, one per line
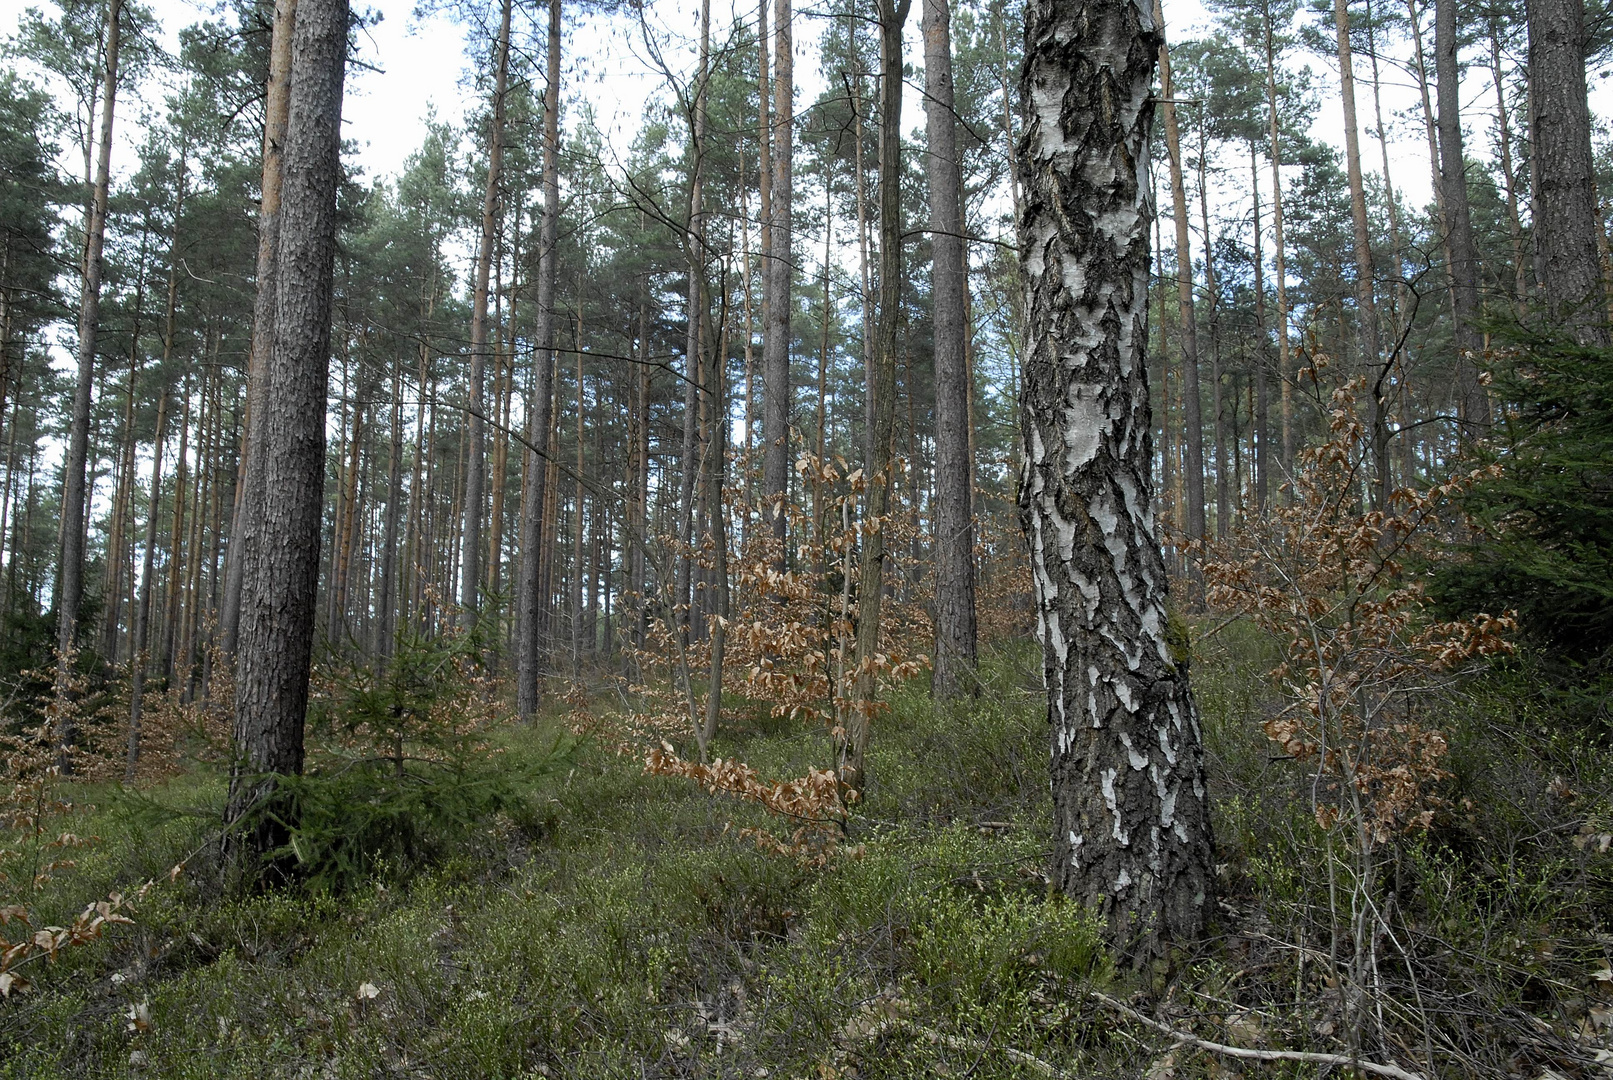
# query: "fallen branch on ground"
[1248,1054]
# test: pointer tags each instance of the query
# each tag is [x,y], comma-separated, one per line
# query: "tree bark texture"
[279,590]
[954,510]
[249,498]
[530,597]
[1132,832]
[1565,218]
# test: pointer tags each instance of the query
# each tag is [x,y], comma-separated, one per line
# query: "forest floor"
[614,924]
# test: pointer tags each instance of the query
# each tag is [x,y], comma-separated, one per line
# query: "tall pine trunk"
[881,390]
[780,266]
[70,564]
[530,595]
[1131,826]
[954,511]
[1464,256]
[277,624]
[249,491]
[1566,219]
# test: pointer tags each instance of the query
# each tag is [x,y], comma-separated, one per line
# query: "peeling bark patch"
[1125,755]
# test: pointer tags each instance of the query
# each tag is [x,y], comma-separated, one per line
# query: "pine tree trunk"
[249,495]
[530,595]
[142,612]
[1223,507]
[277,625]
[1464,258]
[954,509]
[1284,364]
[1131,827]
[780,266]
[1520,271]
[386,605]
[881,390]
[1372,362]
[470,577]
[1263,353]
[1565,217]
[71,561]
[1192,407]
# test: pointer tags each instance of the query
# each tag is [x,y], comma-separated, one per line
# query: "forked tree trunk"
[881,404]
[249,491]
[277,623]
[530,595]
[1131,827]
[954,511]
[1565,217]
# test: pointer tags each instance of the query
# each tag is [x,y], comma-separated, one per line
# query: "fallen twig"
[1250,1054]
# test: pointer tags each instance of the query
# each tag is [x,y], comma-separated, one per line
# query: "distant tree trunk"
[1223,507]
[1458,223]
[1520,271]
[530,600]
[249,494]
[277,626]
[695,239]
[1131,825]
[386,605]
[954,508]
[881,404]
[1565,219]
[142,612]
[1284,372]
[177,553]
[781,266]
[470,578]
[71,562]
[1192,407]
[1372,362]
[717,385]
[764,228]
[1263,353]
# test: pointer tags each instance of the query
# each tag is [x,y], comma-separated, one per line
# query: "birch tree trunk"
[476,464]
[1565,217]
[954,510]
[277,625]
[530,596]
[1131,828]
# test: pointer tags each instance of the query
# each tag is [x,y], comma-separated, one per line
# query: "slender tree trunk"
[386,606]
[476,464]
[1284,364]
[1458,222]
[881,396]
[1223,508]
[954,509]
[1520,272]
[764,224]
[277,626]
[177,553]
[1366,307]
[1192,408]
[695,239]
[1263,353]
[781,267]
[1565,218]
[1131,825]
[71,562]
[530,599]
[249,491]
[142,612]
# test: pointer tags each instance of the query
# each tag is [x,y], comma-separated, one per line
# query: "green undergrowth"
[597,922]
